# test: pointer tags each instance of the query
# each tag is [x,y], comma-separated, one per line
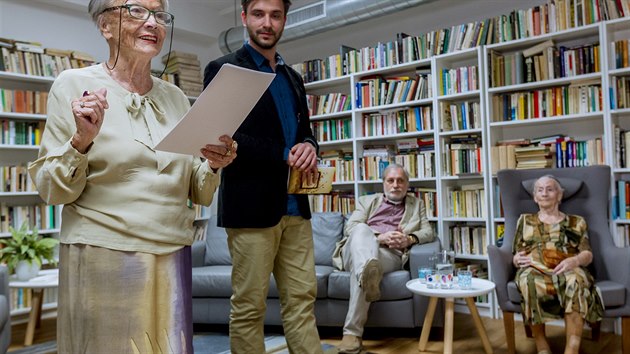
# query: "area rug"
[42,348]
[219,343]
[210,342]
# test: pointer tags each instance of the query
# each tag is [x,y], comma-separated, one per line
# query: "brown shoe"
[350,345]
[371,280]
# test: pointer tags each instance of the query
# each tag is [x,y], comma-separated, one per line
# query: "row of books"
[458,80]
[378,91]
[41,216]
[460,115]
[621,238]
[15,179]
[419,118]
[548,102]
[621,140]
[23,101]
[343,163]
[541,62]
[31,58]
[462,155]
[419,165]
[620,95]
[468,239]
[558,152]
[620,53]
[336,201]
[21,133]
[466,201]
[21,298]
[555,15]
[429,197]
[332,129]
[623,199]
[329,103]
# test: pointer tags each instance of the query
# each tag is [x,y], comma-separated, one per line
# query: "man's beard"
[253,37]
[395,197]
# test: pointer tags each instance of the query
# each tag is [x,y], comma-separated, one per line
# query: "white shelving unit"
[580,125]
[21,155]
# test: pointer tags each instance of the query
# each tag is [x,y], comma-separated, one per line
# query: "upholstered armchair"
[5,317]
[587,192]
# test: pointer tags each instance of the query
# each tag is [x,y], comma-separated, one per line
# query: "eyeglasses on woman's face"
[142,13]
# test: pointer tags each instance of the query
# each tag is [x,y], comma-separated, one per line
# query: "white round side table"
[45,279]
[479,287]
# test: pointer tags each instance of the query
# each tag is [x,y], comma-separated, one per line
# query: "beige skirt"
[123,302]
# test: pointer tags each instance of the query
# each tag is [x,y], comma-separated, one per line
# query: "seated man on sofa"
[377,239]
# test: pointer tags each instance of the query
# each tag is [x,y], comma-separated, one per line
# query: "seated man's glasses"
[142,13]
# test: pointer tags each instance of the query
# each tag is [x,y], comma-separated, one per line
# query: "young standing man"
[268,230]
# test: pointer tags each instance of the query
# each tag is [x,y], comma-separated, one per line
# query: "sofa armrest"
[419,255]
[198,253]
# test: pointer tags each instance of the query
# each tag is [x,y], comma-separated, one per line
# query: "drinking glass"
[432,279]
[464,279]
[423,272]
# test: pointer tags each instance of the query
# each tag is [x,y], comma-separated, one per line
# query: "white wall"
[65,24]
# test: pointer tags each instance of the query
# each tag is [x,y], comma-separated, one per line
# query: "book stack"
[184,70]
[534,156]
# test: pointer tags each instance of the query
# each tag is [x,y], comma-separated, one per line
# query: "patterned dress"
[546,297]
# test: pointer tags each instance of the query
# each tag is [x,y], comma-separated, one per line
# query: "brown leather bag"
[552,258]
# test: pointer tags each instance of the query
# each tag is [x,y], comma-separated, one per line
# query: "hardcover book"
[320,183]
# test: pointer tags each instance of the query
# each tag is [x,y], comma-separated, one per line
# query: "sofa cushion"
[217,252]
[327,231]
[212,281]
[392,285]
[216,281]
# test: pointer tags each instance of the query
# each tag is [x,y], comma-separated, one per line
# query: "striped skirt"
[123,302]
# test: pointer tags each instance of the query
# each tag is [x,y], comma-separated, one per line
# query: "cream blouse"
[121,194]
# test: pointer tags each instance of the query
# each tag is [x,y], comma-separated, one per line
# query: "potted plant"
[24,251]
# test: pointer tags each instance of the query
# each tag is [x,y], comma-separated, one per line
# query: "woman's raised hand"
[89,112]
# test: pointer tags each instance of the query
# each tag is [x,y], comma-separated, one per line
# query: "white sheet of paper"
[220,109]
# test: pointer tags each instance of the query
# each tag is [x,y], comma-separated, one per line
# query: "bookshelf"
[470,131]
[19,200]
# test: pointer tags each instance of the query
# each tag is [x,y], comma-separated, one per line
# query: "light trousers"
[360,247]
[286,250]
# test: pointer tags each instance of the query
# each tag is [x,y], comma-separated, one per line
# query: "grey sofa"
[211,284]
[5,316]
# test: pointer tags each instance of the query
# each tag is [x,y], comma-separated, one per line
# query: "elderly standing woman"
[125,258]
[551,251]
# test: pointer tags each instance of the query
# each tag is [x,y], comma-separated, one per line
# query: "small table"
[479,287]
[48,278]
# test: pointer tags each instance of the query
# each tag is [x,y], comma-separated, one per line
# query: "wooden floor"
[397,341]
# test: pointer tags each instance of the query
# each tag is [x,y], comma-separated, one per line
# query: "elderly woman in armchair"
[551,251]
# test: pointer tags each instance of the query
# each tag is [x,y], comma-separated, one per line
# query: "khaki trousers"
[286,250]
[360,247]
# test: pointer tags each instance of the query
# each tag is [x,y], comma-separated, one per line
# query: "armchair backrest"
[587,195]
